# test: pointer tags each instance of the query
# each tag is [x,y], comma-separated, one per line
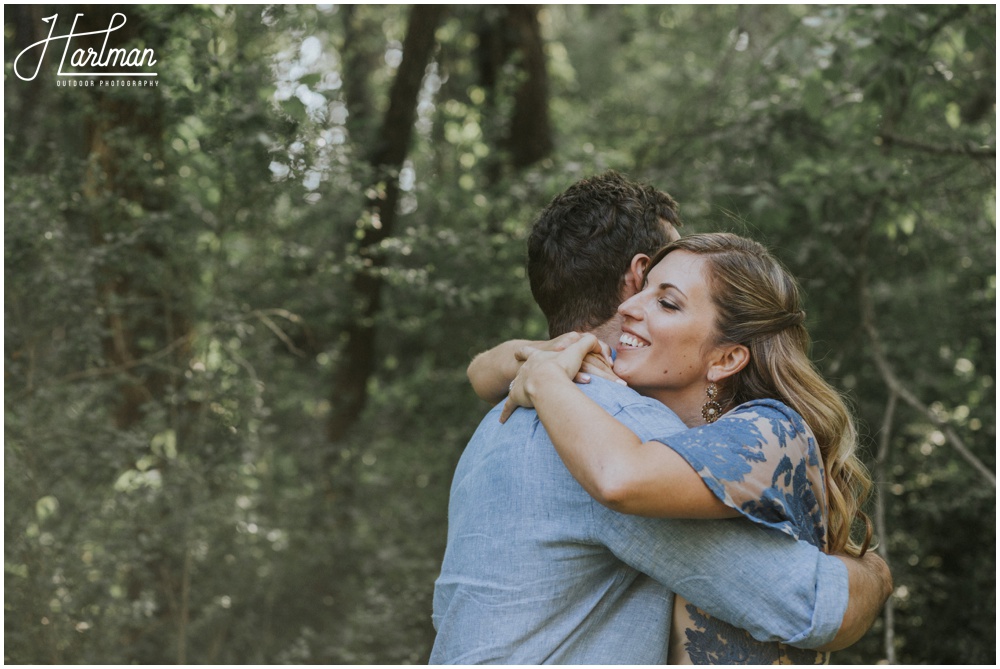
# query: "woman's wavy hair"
[759,307]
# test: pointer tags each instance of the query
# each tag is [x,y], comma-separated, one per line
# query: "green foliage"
[202,278]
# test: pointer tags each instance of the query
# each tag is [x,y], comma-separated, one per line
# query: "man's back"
[526,576]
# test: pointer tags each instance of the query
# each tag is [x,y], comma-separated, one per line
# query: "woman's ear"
[729,360]
[635,275]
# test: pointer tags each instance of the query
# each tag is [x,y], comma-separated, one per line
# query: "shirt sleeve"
[774,587]
[762,460]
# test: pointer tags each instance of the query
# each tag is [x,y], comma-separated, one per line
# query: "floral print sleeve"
[762,460]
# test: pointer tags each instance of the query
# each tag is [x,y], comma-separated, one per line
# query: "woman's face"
[668,329]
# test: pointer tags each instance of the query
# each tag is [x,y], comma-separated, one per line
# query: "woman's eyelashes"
[667,304]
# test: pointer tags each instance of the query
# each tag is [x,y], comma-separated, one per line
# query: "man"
[537,572]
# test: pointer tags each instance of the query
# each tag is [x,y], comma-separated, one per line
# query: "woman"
[717,335]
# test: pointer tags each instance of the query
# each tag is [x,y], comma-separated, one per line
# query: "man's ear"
[636,273]
[729,360]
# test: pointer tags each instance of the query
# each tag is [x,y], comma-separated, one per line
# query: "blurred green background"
[238,305]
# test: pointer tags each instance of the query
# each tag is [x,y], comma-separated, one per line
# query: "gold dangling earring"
[711,409]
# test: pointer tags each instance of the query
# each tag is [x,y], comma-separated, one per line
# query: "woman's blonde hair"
[758,306]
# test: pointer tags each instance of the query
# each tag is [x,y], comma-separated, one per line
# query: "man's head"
[583,244]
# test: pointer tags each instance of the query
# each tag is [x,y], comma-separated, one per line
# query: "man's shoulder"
[647,417]
[613,396]
[644,416]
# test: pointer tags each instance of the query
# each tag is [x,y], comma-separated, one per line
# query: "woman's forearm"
[491,371]
[611,463]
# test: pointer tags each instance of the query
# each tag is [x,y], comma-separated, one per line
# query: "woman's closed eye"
[668,305]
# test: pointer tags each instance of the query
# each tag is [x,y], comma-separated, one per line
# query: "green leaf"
[46,507]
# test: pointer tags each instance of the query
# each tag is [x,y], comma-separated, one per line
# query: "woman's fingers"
[598,365]
[508,408]
[524,352]
[572,358]
[556,344]
[564,340]
[516,395]
[569,361]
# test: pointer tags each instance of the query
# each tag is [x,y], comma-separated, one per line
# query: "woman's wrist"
[544,378]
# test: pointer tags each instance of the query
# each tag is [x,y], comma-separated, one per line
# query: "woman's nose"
[632,307]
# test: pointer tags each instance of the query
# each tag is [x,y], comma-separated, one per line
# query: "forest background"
[238,305]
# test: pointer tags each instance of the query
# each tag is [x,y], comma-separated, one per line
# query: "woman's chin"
[624,372]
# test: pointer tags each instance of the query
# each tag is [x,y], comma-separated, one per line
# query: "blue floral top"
[762,460]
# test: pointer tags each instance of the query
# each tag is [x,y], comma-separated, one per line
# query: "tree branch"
[891,139]
[278,332]
[94,372]
[263,315]
[885,370]
[899,388]
[881,483]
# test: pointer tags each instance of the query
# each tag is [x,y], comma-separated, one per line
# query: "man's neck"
[609,332]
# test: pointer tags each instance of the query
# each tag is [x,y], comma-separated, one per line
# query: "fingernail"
[585,378]
[622,381]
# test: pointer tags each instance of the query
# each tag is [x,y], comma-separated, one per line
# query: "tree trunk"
[515,34]
[530,136]
[122,125]
[357,358]
[361,58]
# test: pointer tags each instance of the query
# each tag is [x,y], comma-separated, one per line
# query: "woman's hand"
[543,367]
[492,371]
[596,363]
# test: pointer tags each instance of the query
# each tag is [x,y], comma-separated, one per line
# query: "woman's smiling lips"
[629,340]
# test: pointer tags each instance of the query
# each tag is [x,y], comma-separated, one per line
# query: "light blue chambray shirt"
[537,572]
